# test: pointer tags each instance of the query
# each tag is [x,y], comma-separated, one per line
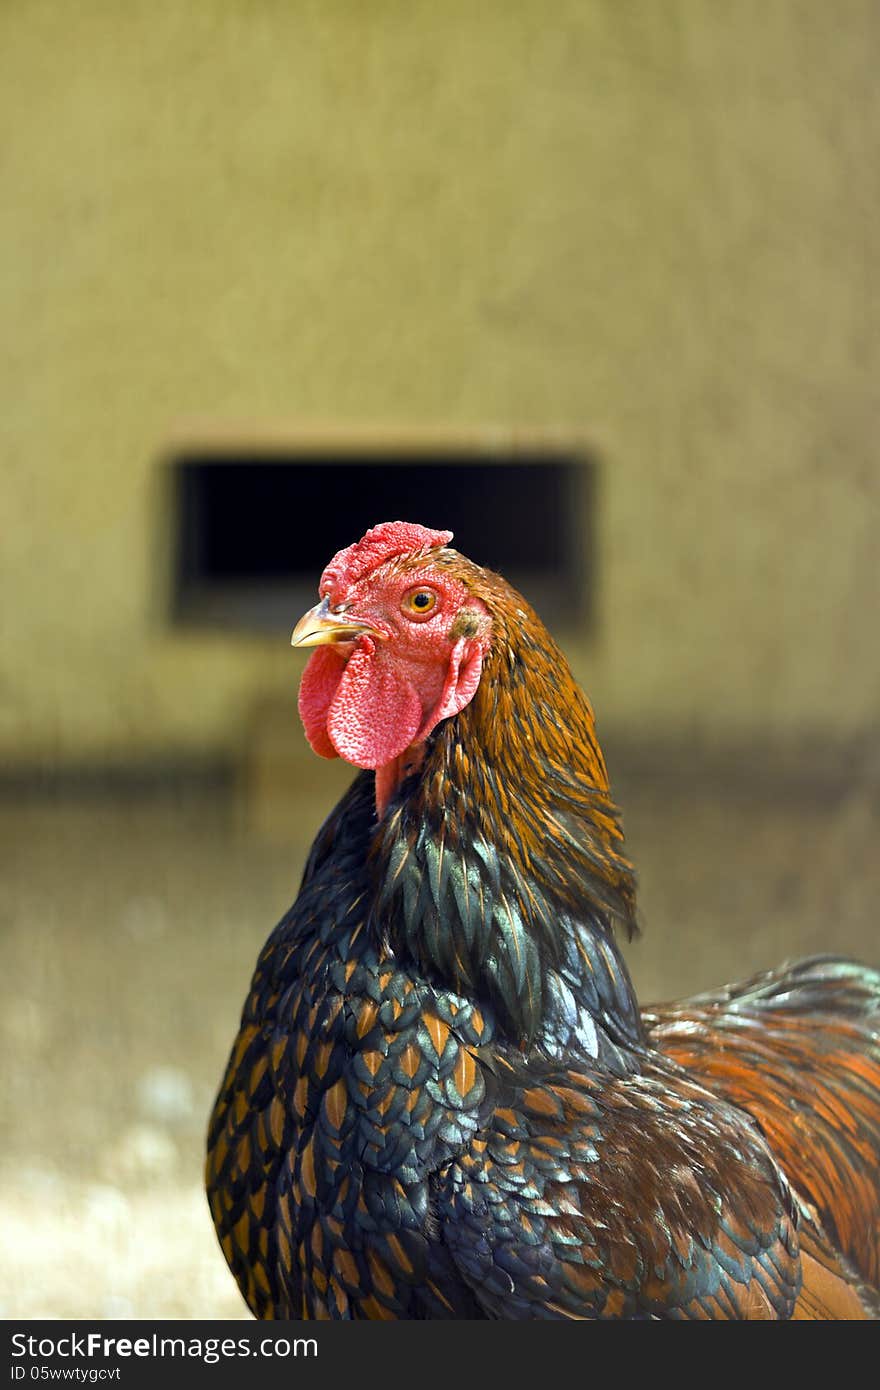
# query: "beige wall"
[653,222]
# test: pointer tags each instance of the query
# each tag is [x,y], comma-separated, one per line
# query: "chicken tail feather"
[799,1049]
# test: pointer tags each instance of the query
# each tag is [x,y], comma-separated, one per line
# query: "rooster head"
[400,644]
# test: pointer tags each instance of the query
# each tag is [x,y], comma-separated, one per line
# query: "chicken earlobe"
[462,679]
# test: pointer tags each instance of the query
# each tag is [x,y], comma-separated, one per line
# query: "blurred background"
[595,285]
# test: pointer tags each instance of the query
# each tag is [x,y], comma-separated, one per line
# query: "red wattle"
[320,681]
[376,712]
[369,708]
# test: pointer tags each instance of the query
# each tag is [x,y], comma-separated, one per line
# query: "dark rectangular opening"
[253,533]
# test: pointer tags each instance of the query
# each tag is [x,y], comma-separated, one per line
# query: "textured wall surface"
[652,222]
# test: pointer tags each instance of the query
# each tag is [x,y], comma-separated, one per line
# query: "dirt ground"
[131,927]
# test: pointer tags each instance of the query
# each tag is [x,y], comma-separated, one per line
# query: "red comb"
[381,543]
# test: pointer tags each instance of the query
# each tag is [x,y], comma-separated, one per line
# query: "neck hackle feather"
[500,861]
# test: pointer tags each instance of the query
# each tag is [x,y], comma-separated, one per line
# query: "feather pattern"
[444,1101]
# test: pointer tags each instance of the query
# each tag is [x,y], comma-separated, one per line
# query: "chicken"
[444,1100]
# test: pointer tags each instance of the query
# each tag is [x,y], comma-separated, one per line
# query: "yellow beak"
[320,626]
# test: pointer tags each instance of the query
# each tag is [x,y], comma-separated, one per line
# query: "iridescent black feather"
[443,1100]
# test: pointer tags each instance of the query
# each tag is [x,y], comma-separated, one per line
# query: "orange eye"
[418,603]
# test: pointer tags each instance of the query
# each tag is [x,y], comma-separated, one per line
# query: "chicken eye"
[418,603]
